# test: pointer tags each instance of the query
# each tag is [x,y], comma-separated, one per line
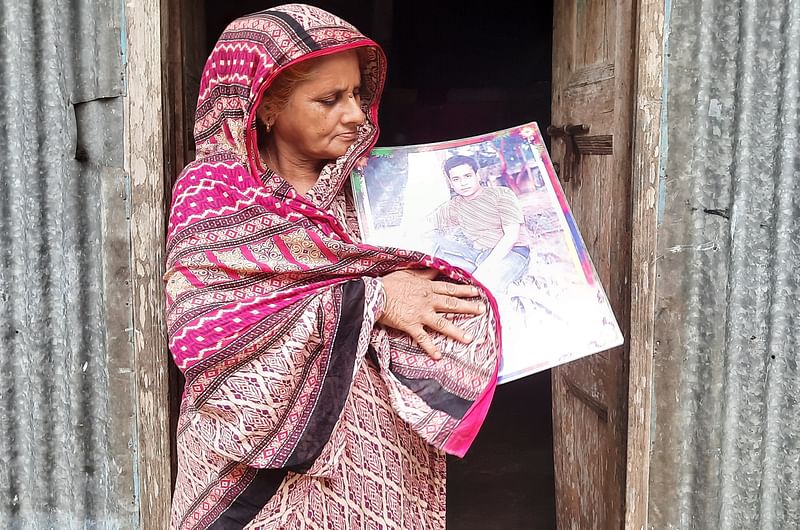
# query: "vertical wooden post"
[645,174]
[593,73]
[144,162]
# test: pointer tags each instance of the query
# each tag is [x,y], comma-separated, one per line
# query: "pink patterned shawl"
[272,301]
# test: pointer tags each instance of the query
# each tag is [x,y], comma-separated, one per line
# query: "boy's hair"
[459,160]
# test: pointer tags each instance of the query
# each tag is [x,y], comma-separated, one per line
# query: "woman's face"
[321,118]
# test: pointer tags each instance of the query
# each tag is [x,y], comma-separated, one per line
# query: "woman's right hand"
[415,304]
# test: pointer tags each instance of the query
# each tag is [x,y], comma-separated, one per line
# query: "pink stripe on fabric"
[462,436]
[232,274]
[288,254]
[305,291]
[322,247]
[194,280]
[248,255]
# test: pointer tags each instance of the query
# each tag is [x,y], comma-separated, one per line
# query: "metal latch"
[567,130]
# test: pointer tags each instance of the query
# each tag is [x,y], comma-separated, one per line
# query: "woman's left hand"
[414,302]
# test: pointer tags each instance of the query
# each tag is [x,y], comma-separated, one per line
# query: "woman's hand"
[415,302]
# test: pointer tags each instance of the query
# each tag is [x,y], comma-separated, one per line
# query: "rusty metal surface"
[726,422]
[66,396]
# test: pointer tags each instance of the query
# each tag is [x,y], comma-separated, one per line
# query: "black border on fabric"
[299,30]
[436,396]
[331,400]
[249,502]
[338,380]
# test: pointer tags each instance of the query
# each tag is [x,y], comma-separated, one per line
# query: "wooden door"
[592,79]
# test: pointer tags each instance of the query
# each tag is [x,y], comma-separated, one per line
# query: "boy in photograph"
[494,247]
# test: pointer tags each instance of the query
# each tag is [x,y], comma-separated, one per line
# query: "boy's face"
[464,181]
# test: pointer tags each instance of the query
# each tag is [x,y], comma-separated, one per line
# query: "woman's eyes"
[331,101]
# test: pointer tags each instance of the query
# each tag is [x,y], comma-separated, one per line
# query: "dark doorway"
[454,71]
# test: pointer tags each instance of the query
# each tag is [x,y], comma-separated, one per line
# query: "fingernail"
[474,290]
[468,337]
[482,308]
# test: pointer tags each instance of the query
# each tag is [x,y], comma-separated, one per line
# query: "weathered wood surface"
[145,164]
[592,84]
[646,159]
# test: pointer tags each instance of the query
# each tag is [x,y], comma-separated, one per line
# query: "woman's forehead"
[340,71]
[336,63]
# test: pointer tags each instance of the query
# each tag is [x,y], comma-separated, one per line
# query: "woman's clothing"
[299,411]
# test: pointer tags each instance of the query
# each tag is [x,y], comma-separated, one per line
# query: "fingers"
[449,298]
[446,327]
[446,288]
[454,289]
[418,306]
[450,304]
[425,342]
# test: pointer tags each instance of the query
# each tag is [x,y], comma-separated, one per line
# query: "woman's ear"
[264,115]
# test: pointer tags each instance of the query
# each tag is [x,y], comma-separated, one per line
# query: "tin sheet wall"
[726,424]
[66,397]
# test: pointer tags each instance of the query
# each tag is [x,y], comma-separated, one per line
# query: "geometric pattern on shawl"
[257,272]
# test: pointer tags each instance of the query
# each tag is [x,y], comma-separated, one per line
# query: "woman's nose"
[353,112]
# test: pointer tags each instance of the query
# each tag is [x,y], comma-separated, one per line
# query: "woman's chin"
[337,153]
[344,144]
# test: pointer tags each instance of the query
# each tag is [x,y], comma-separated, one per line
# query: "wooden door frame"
[646,158]
[153,112]
[144,163]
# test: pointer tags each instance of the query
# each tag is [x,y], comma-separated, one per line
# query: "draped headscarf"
[272,301]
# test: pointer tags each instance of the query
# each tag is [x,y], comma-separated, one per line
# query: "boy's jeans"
[497,278]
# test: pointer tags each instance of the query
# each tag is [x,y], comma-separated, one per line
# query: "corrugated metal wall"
[726,425]
[66,396]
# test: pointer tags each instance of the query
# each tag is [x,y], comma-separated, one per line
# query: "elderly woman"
[325,379]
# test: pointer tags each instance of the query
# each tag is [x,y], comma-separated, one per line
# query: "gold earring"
[268,126]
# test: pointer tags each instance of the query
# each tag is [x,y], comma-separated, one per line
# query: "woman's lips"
[349,136]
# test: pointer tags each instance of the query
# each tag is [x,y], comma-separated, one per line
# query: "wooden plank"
[193,19]
[592,43]
[645,174]
[602,144]
[597,96]
[599,407]
[173,89]
[589,75]
[145,164]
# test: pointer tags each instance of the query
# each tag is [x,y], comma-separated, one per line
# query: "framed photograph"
[493,205]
